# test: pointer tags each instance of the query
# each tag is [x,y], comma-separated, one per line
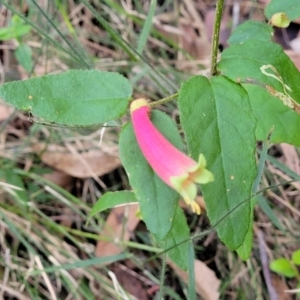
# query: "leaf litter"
[57,230]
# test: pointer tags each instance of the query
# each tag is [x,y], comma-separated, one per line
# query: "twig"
[164,100]
[6,256]
[215,37]
[46,278]
[265,266]
[162,277]
[13,292]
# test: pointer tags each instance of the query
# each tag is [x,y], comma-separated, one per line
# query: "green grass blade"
[43,181]
[115,36]
[146,28]
[61,35]
[16,232]
[283,167]
[86,263]
[157,77]
[62,8]
[260,168]
[41,32]
[191,270]
[265,207]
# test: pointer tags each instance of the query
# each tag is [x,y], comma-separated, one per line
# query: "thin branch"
[265,266]
[215,37]
[162,276]
[164,100]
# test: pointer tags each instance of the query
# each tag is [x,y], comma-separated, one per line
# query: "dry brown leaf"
[280,288]
[297,21]
[5,111]
[264,2]
[42,67]
[198,47]
[59,178]
[131,284]
[295,44]
[81,165]
[207,283]
[294,56]
[291,157]
[114,229]
[225,30]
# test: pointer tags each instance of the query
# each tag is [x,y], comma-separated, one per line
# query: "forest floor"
[51,175]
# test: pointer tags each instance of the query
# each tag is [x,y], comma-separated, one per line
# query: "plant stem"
[164,100]
[162,277]
[215,37]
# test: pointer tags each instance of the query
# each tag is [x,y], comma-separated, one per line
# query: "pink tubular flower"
[174,167]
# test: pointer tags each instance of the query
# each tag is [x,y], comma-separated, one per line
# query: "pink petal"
[165,159]
[174,167]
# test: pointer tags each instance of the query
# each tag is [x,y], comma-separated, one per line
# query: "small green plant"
[288,267]
[16,30]
[252,89]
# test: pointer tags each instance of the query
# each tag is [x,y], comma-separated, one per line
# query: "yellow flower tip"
[187,189]
[138,214]
[280,20]
[199,174]
[195,207]
[201,161]
[206,177]
[136,104]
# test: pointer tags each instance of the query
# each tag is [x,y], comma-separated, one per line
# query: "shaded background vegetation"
[51,176]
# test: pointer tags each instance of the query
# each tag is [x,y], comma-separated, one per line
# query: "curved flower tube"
[175,168]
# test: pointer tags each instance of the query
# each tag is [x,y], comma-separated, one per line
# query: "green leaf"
[217,120]
[23,55]
[112,199]
[14,31]
[243,63]
[251,30]
[158,201]
[177,240]
[283,267]
[290,7]
[20,194]
[244,250]
[76,97]
[272,113]
[296,257]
